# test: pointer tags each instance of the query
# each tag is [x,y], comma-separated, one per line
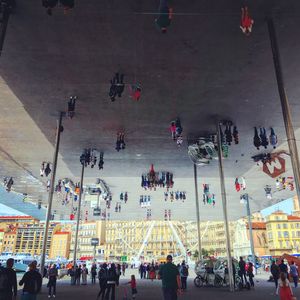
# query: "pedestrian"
[242,270]
[111,282]
[246,21]
[135,91]
[102,276]
[123,269]
[256,139]
[152,274]
[184,273]
[118,142]
[118,268]
[284,289]
[294,273]
[84,273]
[275,271]
[170,279]
[32,281]
[8,281]
[173,130]
[132,283]
[250,274]
[52,276]
[78,272]
[119,84]
[49,5]
[164,16]
[72,273]
[284,268]
[94,273]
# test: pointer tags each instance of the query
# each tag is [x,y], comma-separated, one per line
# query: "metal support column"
[285,106]
[197,213]
[78,216]
[224,204]
[50,197]
[7,8]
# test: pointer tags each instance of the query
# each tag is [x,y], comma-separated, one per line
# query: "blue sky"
[7,211]
[286,206]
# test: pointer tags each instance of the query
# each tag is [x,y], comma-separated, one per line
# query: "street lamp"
[244,199]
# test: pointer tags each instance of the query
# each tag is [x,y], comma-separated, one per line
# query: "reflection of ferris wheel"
[202,152]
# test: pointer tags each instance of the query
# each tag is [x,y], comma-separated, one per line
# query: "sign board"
[95,242]
[124,258]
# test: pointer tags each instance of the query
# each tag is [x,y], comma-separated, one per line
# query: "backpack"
[4,280]
[185,271]
[102,275]
[52,272]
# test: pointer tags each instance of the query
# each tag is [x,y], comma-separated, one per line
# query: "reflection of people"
[246,21]
[164,17]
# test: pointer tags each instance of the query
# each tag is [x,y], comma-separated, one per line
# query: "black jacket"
[32,281]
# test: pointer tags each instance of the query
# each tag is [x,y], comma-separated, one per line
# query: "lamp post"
[245,200]
[78,213]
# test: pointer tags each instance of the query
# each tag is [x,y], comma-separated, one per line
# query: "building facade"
[283,233]
[60,245]
[88,231]
[241,245]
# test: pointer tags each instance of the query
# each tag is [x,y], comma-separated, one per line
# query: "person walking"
[32,281]
[294,273]
[52,276]
[132,283]
[72,273]
[85,273]
[275,271]
[8,281]
[250,274]
[284,289]
[242,270]
[111,282]
[123,269]
[170,279]
[164,16]
[284,268]
[78,272]
[184,273]
[94,273]
[102,276]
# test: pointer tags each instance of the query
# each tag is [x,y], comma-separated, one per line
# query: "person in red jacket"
[246,21]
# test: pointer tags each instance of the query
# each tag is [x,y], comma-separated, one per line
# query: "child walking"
[132,283]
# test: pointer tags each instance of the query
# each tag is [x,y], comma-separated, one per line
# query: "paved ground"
[148,290]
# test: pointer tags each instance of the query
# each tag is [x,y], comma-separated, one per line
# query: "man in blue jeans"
[170,279]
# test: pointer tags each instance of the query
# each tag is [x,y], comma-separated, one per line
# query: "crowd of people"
[154,180]
[178,195]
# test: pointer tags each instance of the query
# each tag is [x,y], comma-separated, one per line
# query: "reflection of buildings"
[148,240]
[283,233]
[87,231]
[60,244]
[241,245]
[155,239]
[143,240]
[29,239]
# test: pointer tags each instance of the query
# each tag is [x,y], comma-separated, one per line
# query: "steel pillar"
[197,213]
[292,143]
[224,204]
[50,197]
